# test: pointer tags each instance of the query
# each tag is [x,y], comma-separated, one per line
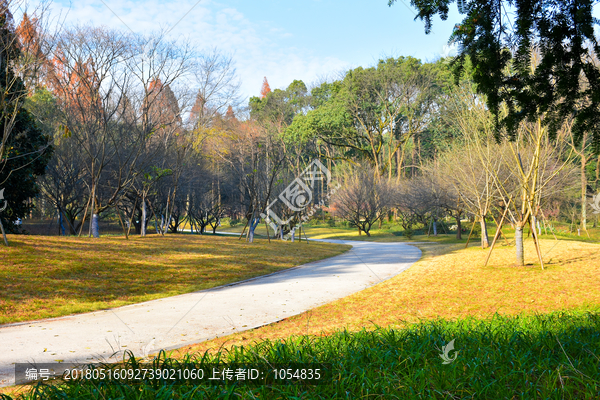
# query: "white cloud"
[449,50]
[257,50]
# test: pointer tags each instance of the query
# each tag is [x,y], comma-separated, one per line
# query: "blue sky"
[283,40]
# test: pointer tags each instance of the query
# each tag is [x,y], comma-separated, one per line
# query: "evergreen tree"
[24,149]
[564,84]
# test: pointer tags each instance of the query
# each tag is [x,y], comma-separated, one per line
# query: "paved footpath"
[194,317]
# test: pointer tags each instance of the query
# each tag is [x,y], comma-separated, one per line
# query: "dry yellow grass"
[50,276]
[451,282]
[14,391]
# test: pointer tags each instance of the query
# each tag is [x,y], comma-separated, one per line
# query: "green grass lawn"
[316,230]
[552,356]
[392,232]
[51,276]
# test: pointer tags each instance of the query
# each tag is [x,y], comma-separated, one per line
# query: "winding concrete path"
[191,318]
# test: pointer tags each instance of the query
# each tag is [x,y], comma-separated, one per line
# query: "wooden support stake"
[500,227]
[84,216]
[496,236]
[305,237]
[267,228]
[470,233]
[122,224]
[536,241]
[242,235]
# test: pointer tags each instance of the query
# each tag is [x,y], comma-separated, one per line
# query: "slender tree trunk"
[164,222]
[597,172]
[61,227]
[583,194]
[519,243]
[413,160]
[143,221]
[92,210]
[95,227]
[458,227]
[390,162]
[3,234]
[400,156]
[485,241]
[251,229]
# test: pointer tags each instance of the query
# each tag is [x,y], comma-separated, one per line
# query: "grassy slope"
[50,276]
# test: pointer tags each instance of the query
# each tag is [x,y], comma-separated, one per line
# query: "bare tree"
[63,185]
[116,103]
[414,200]
[218,88]
[536,167]
[88,77]
[471,162]
[255,158]
[363,199]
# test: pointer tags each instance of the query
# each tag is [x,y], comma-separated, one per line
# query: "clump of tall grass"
[543,356]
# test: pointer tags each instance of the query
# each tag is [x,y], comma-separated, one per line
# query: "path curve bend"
[194,317]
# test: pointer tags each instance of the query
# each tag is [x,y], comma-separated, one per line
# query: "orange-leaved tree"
[266,89]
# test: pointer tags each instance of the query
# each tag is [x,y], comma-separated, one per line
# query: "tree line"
[101,123]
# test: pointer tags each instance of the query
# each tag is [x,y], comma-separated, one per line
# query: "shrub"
[476,230]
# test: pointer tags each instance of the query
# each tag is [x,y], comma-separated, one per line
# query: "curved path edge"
[173,322]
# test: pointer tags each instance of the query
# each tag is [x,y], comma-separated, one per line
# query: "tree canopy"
[24,149]
[500,37]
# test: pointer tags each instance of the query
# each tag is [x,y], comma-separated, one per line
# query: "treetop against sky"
[281,40]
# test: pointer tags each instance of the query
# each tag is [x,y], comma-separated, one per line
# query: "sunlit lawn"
[49,276]
[389,233]
[392,232]
[450,282]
